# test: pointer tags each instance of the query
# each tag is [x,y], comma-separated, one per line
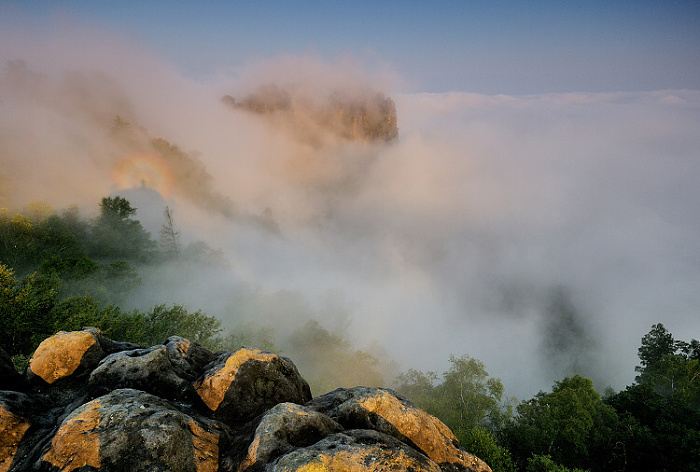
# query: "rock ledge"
[87,403]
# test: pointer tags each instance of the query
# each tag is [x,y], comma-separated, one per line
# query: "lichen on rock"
[240,385]
[89,403]
[64,353]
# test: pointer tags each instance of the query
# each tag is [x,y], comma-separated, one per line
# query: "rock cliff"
[359,116]
[87,403]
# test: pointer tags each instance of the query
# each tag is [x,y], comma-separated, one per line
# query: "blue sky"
[507,47]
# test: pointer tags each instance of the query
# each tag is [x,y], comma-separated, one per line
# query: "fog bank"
[540,234]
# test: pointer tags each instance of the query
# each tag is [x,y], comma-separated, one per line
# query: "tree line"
[651,425]
[63,272]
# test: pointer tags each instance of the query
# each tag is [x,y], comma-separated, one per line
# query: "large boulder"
[240,385]
[149,370]
[385,411]
[63,355]
[130,430]
[355,451]
[282,429]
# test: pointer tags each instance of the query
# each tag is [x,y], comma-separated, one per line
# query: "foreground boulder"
[238,386]
[356,450]
[282,429]
[149,370]
[87,403]
[64,355]
[132,430]
[384,411]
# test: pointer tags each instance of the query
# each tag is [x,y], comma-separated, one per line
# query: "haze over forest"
[542,234]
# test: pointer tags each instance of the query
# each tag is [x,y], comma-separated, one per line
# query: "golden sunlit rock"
[76,443]
[12,429]
[382,410]
[212,388]
[178,407]
[60,355]
[356,451]
[206,448]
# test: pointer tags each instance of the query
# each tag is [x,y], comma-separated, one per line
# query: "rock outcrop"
[87,403]
[357,116]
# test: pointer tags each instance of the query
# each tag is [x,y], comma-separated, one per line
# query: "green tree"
[539,463]
[657,433]
[163,321]
[116,236]
[25,310]
[466,398]
[656,344]
[560,424]
[659,416]
[420,388]
[671,366]
[470,397]
[483,445]
[17,241]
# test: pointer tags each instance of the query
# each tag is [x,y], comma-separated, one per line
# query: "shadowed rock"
[283,428]
[355,451]
[240,385]
[385,411]
[149,370]
[188,358]
[135,431]
[9,377]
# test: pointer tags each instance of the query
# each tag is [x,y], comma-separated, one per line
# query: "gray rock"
[188,358]
[385,411]
[282,429]
[238,386]
[355,451]
[90,405]
[149,370]
[130,430]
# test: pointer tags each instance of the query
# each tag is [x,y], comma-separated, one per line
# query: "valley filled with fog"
[541,234]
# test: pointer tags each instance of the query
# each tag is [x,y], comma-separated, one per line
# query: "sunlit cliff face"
[362,115]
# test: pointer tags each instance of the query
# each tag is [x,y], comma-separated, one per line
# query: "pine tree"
[169,238]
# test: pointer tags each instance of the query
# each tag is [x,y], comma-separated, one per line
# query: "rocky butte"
[88,403]
[362,115]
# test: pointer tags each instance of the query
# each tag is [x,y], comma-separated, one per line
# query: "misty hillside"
[75,272]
